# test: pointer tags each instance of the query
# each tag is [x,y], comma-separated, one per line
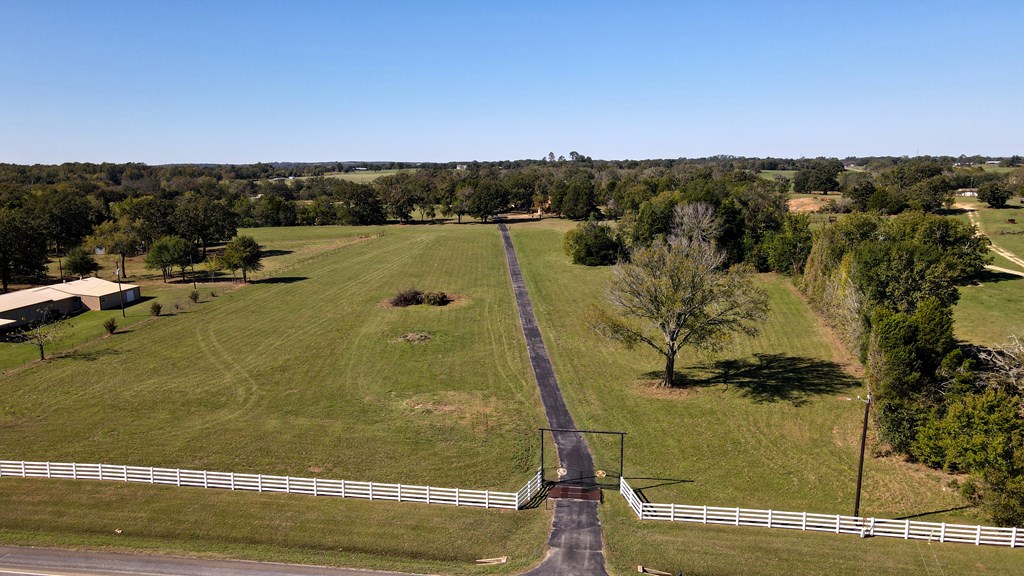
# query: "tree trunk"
[123,273]
[670,370]
[245,278]
[42,355]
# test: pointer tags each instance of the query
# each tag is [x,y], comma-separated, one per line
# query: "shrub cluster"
[110,325]
[414,297]
[155,308]
[436,298]
[407,297]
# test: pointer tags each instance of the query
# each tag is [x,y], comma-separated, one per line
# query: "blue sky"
[244,82]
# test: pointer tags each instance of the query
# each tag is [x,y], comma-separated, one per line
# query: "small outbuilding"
[99,294]
[47,302]
[35,305]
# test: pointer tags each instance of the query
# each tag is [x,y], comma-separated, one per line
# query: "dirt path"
[574,545]
[972,214]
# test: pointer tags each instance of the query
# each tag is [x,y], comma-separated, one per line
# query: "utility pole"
[863,443]
[120,294]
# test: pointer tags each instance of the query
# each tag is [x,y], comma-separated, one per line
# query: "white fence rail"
[906,529]
[265,483]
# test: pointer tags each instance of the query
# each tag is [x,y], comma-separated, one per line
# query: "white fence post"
[769,517]
[705,513]
[259,482]
[1013,538]
[177,476]
[803,522]
[314,488]
[74,470]
[342,488]
[942,533]
[977,538]
[47,469]
[428,495]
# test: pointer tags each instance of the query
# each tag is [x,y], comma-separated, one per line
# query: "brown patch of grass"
[467,409]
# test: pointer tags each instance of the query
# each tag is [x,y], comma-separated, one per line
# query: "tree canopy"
[676,294]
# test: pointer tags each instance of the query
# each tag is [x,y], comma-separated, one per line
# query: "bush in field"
[194,296]
[155,308]
[592,244]
[436,298]
[110,325]
[408,297]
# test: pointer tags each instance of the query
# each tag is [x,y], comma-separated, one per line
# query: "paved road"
[48,562]
[574,546]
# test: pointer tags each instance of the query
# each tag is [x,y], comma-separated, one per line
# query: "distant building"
[461,166]
[35,304]
[991,162]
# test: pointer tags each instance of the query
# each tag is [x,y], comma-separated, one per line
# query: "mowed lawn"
[305,373]
[992,309]
[775,423]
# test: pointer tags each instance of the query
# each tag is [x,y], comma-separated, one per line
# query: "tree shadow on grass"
[992,276]
[87,355]
[280,280]
[775,378]
[272,253]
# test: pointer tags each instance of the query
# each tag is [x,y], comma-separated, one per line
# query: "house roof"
[31,297]
[91,287]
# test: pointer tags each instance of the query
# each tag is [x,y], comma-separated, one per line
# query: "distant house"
[461,166]
[35,304]
[991,162]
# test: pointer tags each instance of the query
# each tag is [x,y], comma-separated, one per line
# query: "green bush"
[592,244]
[436,298]
[407,297]
[110,325]
[155,308]
[194,296]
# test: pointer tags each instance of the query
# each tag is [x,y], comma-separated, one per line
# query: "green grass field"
[361,177]
[773,424]
[304,374]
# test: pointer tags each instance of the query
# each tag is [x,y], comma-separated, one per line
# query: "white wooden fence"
[864,527]
[265,483]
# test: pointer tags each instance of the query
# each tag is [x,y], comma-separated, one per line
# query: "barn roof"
[92,287]
[31,297]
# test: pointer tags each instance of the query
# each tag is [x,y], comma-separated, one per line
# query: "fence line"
[267,483]
[863,527]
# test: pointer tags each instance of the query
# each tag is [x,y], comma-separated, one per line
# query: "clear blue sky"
[254,81]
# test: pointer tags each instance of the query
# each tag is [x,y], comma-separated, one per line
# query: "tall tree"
[243,253]
[79,262]
[168,252]
[202,220]
[676,294]
[121,237]
[22,247]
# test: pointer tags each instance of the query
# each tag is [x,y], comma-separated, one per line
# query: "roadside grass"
[700,550]
[267,527]
[302,373]
[775,423]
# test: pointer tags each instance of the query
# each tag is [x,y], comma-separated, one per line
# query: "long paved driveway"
[48,562]
[574,546]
